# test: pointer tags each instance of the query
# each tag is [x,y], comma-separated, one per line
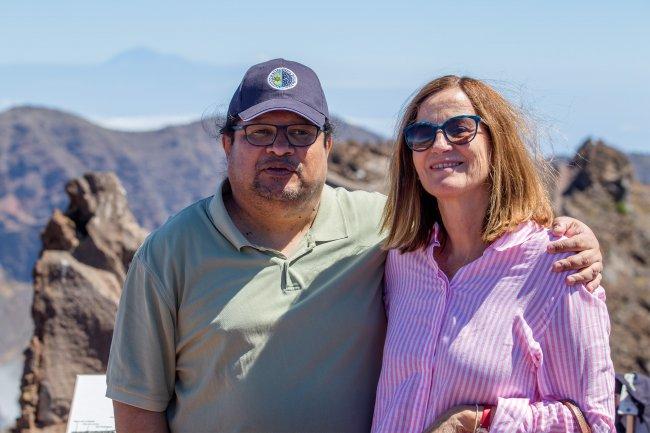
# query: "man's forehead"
[279,116]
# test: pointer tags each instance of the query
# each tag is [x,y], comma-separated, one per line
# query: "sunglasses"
[265,135]
[419,136]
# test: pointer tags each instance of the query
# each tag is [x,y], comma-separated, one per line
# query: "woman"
[478,326]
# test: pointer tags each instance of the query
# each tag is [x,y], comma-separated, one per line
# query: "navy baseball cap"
[280,85]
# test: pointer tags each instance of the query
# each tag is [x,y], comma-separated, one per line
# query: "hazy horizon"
[579,68]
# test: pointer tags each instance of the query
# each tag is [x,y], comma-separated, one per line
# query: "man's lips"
[278,169]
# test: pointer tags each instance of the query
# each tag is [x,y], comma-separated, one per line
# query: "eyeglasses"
[265,135]
[419,136]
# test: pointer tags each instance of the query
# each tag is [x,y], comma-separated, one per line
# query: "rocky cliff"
[602,191]
[77,282]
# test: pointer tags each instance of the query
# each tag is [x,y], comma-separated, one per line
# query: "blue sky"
[580,68]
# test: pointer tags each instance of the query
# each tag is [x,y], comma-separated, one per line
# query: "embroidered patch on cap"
[282,79]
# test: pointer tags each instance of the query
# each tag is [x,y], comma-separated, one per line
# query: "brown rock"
[77,283]
[603,193]
[59,234]
[602,169]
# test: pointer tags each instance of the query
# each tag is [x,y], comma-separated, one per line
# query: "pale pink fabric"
[505,331]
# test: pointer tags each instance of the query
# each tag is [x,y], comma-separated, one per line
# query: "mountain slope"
[162,171]
[40,149]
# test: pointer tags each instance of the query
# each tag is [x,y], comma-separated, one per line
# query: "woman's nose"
[440,143]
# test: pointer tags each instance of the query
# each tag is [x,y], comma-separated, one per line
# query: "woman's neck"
[463,219]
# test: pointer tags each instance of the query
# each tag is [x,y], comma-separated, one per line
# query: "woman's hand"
[589,260]
[459,419]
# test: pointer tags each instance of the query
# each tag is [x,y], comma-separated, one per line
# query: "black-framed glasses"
[265,135]
[419,136]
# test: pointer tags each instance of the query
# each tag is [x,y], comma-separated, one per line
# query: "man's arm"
[580,239]
[131,419]
[140,376]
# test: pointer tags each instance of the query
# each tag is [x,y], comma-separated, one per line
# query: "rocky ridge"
[602,191]
[77,282]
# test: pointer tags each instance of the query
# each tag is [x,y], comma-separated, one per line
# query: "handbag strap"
[577,416]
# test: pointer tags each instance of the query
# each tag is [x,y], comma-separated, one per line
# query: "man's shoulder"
[362,211]
[179,230]
[370,203]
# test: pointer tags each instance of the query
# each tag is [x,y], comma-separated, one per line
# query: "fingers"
[589,265]
[591,274]
[579,242]
[567,226]
[579,261]
[567,245]
[595,283]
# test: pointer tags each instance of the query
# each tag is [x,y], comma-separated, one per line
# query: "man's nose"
[281,145]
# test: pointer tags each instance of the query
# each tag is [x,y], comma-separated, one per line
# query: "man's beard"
[277,190]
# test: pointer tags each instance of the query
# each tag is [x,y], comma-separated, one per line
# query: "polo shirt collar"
[222,221]
[329,225]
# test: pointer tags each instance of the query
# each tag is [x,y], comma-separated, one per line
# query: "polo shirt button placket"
[287,282]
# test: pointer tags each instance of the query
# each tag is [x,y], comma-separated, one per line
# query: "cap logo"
[282,79]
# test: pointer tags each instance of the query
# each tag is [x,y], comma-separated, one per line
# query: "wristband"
[486,417]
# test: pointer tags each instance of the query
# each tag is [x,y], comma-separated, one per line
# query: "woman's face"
[447,170]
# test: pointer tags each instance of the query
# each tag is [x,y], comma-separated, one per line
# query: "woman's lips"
[445,165]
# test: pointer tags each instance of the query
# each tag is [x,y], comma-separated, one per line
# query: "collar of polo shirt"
[329,224]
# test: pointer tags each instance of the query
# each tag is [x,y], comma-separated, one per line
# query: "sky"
[579,68]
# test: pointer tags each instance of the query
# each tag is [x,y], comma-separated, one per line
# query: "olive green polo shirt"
[226,336]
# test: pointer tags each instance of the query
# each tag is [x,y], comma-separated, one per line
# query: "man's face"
[278,172]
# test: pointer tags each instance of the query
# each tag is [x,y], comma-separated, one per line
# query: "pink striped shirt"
[505,331]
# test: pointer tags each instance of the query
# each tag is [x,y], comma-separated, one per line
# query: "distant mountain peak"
[144,55]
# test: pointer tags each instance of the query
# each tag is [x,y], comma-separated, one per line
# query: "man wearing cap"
[259,309]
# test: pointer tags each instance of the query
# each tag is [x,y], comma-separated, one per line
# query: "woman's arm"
[574,363]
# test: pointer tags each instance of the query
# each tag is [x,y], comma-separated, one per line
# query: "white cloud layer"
[143,123]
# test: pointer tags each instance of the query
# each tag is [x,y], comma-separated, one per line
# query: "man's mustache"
[283,162]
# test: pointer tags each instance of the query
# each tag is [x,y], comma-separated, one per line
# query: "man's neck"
[278,225]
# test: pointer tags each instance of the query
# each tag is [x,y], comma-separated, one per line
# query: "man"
[260,309]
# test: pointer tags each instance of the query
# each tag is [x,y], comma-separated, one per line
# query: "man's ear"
[329,142]
[226,142]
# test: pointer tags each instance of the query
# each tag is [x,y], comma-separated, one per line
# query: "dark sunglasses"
[265,135]
[419,136]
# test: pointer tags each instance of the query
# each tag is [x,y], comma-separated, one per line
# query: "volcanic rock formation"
[77,283]
[602,191]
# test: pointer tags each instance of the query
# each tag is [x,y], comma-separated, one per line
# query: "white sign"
[91,411]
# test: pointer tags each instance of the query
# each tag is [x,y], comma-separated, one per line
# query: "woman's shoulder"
[527,244]
[543,291]
[406,261]
[528,235]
